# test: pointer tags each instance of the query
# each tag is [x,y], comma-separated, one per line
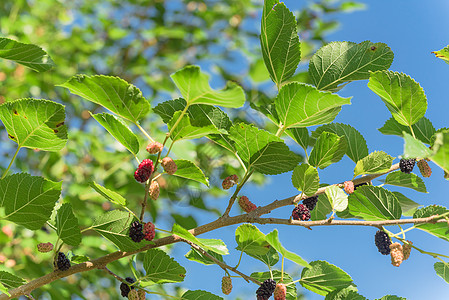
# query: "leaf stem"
[411,129]
[10,164]
[144,132]
[240,259]
[163,230]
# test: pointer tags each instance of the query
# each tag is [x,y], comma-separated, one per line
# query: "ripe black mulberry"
[310,202]
[406,165]
[266,289]
[301,212]
[62,262]
[383,242]
[124,288]
[135,232]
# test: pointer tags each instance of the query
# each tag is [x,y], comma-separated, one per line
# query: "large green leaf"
[273,239]
[323,277]
[167,109]
[279,41]
[392,297]
[161,268]
[214,245]
[375,163]
[10,280]
[189,170]
[443,54]
[28,200]
[108,194]
[299,135]
[329,148]
[251,240]
[67,226]
[270,258]
[195,255]
[442,270]
[408,206]
[302,105]
[185,130]
[199,295]
[305,178]
[28,55]
[276,275]
[423,129]
[441,150]
[114,226]
[374,204]
[414,148]
[263,151]
[35,123]
[195,89]
[115,94]
[119,131]
[322,208]
[348,293]
[356,145]
[438,229]
[402,95]
[337,197]
[410,180]
[340,62]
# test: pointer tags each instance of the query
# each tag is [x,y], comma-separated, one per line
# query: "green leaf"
[356,145]
[411,181]
[4,290]
[337,197]
[115,94]
[167,109]
[35,123]
[375,163]
[270,258]
[263,151]
[299,135]
[77,259]
[29,55]
[250,240]
[348,293]
[28,200]
[302,105]
[184,130]
[322,277]
[414,148]
[114,226]
[374,204]
[340,62]
[67,226]
[161,268]
[119,131]
[391,297]
[9,280]
[213,245]
[408,206]
[279,41]
[195,255]
[195,89]
[305,178]
[441,150]
[199,295]
[273,239]
[322,209]
[423,129]
[291,288]
[402,95]
[442,270]
[265,105]
[188,170]
[439,230]
[108,194]
[329,148]
[443,54]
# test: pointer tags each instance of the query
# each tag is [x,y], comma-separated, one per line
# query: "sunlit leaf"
[329,148]
[273,239]
[161,268]
[189,170]
[374,204]
[67,226]
[375,163]
[423,129]
[305,178]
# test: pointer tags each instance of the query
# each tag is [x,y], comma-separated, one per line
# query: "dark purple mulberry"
[135,232]
[124,288]
[310,202]
[406,165]
[62,262]
[266,289]
[301,212]
[144,171]
[383,242]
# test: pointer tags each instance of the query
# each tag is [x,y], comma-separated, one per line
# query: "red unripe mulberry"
[154,147]
[149,231]
[246,205]
[169,165]
[144,170]
[280,292]
[154,190]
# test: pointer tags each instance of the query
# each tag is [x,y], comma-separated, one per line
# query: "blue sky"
[412,29]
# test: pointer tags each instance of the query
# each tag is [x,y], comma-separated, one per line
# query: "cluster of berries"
[268,287]
[398,252]
[62,263]
[146,167]
[406,166]
[137,232]
[302,211]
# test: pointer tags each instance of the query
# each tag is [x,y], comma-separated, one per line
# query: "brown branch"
[221,264]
